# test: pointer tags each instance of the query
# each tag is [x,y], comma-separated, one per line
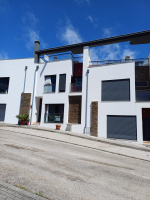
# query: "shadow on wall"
[43,69]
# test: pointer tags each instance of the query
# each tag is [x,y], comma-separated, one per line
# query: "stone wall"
[94,119]
[25,103]
[75,110]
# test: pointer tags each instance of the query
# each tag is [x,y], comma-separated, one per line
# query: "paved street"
[60,170]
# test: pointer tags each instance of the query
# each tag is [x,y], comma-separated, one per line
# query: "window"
[76,85]
[4,83]
[116,90]
[54,113]
[50,84]
[141,84]
[62,82]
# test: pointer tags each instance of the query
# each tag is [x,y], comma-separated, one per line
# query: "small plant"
[23,118]
[22,187]
[40,194]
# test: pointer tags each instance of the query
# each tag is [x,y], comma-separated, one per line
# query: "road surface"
[65,171]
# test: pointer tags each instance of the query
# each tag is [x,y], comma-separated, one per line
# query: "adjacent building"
[109,99]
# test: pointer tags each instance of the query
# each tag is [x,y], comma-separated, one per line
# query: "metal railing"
[49,88]
[75,87]
[53,117]
[78,59]
[59,57]
[138,62]
[142,95]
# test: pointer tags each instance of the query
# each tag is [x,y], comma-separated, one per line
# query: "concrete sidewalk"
[122,143]
[10,192]
[124,149]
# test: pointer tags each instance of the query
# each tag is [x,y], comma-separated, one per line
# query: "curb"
[83,136]
[10,188]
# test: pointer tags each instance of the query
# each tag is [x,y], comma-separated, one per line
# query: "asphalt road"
[68,172]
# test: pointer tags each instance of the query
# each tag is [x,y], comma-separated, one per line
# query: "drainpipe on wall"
[26,67]
[37,67]
[86,102]
[25,78]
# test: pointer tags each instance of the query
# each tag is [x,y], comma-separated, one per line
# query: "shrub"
[24,117]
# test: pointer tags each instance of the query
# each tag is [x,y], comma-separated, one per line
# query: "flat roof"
[142,37]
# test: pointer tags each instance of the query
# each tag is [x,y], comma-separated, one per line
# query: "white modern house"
[109,99]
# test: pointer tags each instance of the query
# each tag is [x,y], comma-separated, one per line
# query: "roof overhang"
[142,37]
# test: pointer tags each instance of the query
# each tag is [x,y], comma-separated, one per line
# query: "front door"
[40,109]
[146,123]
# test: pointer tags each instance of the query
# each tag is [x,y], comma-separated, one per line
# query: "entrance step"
[36,123]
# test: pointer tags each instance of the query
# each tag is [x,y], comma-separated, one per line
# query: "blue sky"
[61,22]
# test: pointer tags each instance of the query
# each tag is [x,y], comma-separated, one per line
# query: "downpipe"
[86,103]
[37,67]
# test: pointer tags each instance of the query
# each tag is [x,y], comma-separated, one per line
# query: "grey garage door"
[121,127]
[2,112]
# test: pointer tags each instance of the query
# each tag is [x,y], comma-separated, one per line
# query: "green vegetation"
[40,194]
[22,187]
[24,117]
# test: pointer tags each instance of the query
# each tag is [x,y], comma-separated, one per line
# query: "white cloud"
[107,32]
[90,18]
[128,52]
[108,52]
[69,35]
[31,36]
[3,56]
[112,51]
[31,32]
[94,54]
[93,21]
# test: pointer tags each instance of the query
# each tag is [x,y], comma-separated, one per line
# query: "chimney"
[36,48]
[127,57]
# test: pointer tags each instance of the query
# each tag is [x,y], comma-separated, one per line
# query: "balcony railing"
[53,117]
[138,62]
[143,95]
[49,88]
[75,87]
[3,89]
[59,57]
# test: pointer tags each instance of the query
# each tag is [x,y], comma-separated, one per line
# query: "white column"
[84,82]
[139,125]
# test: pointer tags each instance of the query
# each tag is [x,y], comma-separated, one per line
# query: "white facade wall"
[15,70]
[53,68]
[114,72]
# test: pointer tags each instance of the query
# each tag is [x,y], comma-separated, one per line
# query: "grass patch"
[22,187]
[40,194]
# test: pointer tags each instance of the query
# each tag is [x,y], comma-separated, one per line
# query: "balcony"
[53,117]
[75,87]
[49,88]
[138,62]
[60,57]
[142,95]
